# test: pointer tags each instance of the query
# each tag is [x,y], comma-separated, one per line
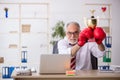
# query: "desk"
[80,75]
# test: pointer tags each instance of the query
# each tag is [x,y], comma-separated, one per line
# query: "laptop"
[54,63]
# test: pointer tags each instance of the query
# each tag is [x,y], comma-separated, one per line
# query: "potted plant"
[58,33]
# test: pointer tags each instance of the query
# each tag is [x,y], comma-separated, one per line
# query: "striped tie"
[73,63]
[73,60]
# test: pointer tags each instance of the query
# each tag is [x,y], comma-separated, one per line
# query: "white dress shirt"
[83,58]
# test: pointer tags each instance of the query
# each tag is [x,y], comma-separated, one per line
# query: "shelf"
[7,48]
[6,33]
[35,33]
[23,33]
[27,3]
[104,18]
[13,32]
[107,29]
[97,4]
[35,18]
[8,18]
[27,24]
[24,18]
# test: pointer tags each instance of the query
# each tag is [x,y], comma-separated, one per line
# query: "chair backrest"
[55,48]
[94,60]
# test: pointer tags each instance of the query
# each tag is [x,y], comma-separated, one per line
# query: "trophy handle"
[92,12]
[92,21]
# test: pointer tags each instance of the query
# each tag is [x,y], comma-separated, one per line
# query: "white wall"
[116,32]
[74,10]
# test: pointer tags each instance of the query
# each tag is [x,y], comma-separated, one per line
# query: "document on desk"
[26,72]
[106,71]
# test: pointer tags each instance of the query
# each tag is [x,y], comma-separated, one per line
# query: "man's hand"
[84,35]
[99,35]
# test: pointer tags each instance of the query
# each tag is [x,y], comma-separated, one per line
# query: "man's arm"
[101,47]
[99,35]
[77,47]
[74,49]
[84,35]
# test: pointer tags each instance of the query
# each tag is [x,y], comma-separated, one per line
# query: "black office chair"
[55,48]
[94,60]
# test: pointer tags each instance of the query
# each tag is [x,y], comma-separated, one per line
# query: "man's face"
[72,33]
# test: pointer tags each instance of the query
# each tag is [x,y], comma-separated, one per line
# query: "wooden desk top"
[79,74]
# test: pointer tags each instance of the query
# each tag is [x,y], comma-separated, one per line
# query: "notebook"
[54,63]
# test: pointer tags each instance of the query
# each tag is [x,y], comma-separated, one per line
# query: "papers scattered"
[26,72]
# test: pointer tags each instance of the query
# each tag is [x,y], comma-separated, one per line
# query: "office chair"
[55,48]
[94,60]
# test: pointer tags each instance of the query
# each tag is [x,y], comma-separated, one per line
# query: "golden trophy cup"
[92,21]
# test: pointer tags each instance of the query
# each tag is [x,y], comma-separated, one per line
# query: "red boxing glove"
[82,39]
[84,35]
[99,35]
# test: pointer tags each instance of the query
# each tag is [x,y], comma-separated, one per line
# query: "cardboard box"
[1,59]
[26,28]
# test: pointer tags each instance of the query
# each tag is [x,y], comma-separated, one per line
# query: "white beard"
[72,42]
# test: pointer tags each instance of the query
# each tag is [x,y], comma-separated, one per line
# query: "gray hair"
[77,24]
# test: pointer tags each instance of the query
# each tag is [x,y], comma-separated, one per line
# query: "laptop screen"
[54,63]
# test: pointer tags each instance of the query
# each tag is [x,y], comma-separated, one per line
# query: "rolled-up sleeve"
[95,50]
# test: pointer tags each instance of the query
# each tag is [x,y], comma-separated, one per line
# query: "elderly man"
[77,43]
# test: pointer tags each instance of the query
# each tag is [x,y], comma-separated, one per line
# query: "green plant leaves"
[58,31]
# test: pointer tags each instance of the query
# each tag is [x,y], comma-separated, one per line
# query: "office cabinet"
[26,27]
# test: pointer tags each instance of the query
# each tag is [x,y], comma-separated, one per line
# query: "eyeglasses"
[74,33]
